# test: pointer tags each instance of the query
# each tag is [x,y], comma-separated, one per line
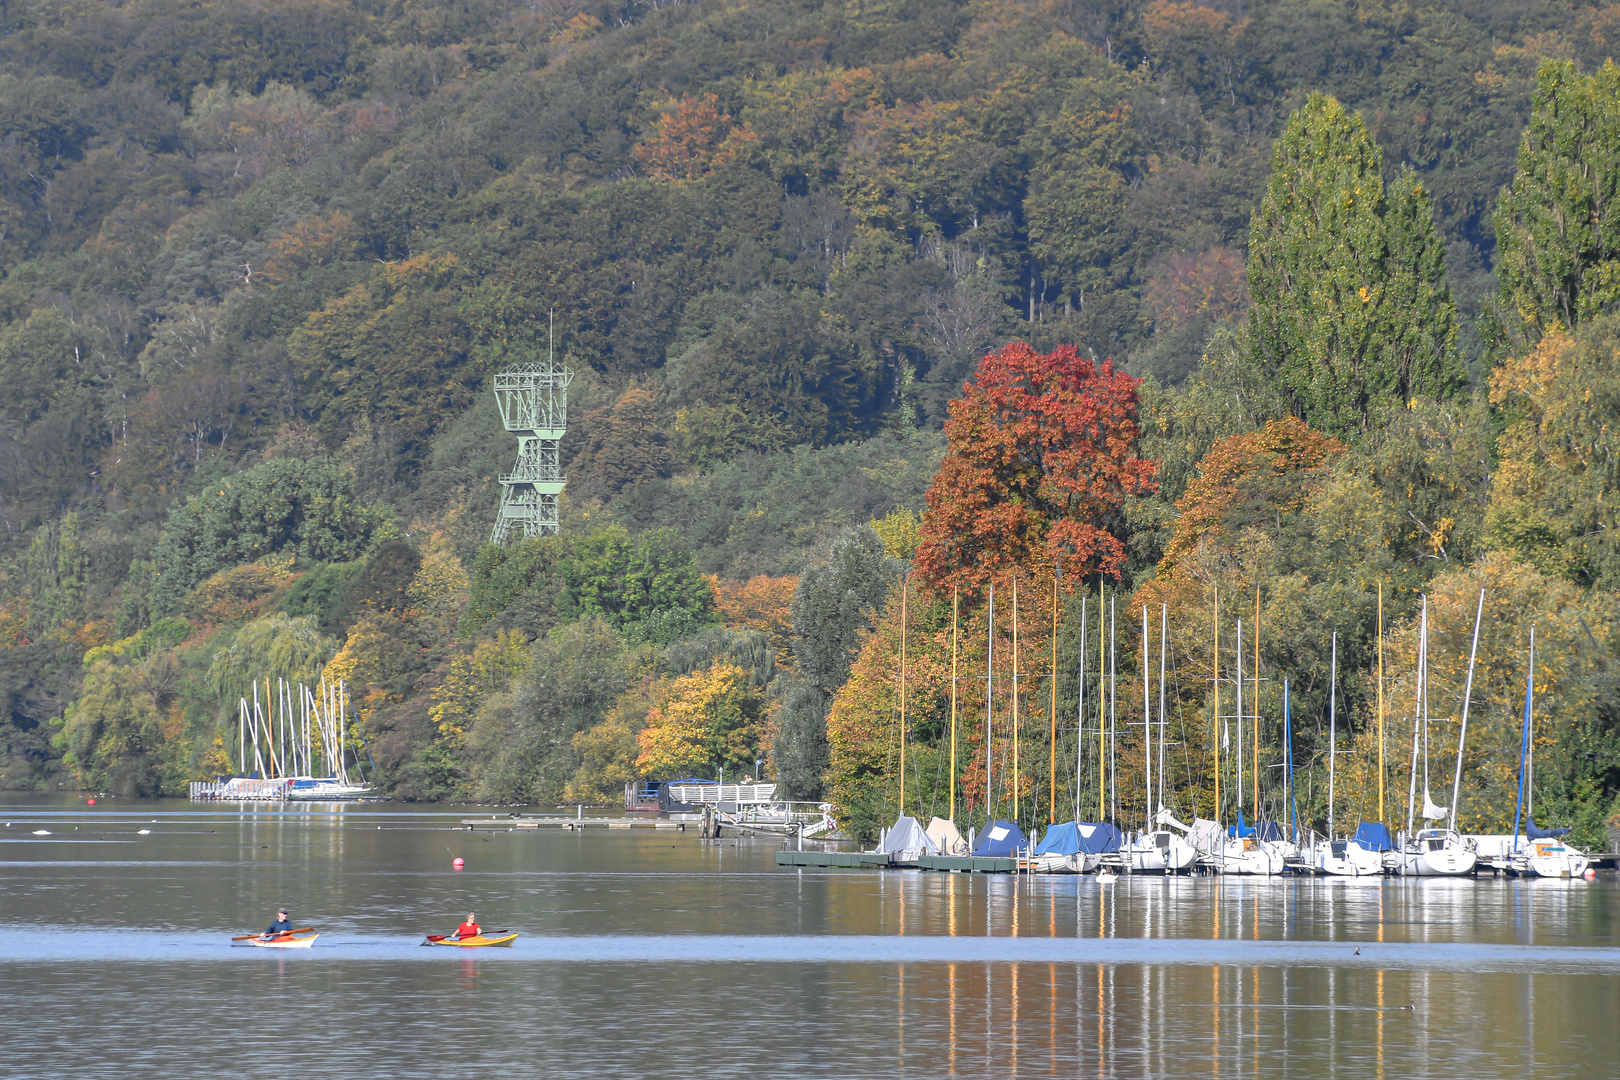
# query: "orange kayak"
[500,937]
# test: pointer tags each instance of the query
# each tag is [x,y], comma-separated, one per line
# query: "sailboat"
[1340,857]
[1432,851]
[1537,852]
[1156,849]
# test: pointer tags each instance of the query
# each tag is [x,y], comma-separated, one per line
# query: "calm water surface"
[656,953]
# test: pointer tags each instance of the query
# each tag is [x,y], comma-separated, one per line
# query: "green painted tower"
[533,399]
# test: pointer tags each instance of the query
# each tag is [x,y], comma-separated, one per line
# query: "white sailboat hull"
[1249,857]
[1347,859]
[1160,852]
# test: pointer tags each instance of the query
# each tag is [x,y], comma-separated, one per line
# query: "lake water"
[658,954]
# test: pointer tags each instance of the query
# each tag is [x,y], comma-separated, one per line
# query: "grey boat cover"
[908,838]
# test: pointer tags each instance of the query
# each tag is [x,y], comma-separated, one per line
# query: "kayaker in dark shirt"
[280,926]
[470,928]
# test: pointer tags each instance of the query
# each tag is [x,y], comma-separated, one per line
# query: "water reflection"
[650,954]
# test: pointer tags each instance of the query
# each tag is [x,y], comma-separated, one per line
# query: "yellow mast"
[1051,787]
[1216,740]
[954,600]
[1380,701]
[903,590]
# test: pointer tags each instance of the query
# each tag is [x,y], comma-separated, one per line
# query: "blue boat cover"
[1532,832]
[1269,830]
[1001,839]
[1241,830]
[1374,836]
[1072,838]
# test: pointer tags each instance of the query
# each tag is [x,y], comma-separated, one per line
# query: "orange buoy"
[458,864]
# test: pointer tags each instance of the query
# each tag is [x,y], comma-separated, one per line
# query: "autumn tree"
[1264,469]
[1555,500]
[1557,233]
[1351,309]
[1041,457]
[707,720]
[693,137]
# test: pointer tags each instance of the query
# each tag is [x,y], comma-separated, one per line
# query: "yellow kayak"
[501,938]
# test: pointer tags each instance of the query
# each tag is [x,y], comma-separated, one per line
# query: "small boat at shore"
[292,939]
[500,938]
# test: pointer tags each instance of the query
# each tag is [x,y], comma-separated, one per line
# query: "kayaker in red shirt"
[470,928]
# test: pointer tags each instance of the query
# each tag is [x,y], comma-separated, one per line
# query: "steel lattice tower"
[533,399]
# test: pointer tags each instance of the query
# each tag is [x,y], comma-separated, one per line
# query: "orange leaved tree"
[1041,455]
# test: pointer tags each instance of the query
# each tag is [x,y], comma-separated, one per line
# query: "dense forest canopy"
[260,261]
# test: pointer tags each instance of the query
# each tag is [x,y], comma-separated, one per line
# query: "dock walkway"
[562,821]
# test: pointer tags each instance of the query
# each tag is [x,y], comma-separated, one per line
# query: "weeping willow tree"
[274,647]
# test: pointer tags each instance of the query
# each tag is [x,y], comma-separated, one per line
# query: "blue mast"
[1524,738]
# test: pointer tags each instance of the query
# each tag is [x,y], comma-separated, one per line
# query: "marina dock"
[563,821]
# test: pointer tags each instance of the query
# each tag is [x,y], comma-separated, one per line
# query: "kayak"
[500,937]
[298,939]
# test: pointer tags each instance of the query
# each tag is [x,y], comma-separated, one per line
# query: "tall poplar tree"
[1558,223]
[1351,308]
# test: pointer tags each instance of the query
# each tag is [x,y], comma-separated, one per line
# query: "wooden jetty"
[869,860]
[563,821]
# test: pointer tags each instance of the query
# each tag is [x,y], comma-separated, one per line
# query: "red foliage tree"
[1041,452]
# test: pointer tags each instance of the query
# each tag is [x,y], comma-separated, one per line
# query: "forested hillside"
[261,261]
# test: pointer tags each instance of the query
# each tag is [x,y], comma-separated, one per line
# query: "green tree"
[113,733]
[836,601]
[1558,222]
[285,504]
[1351,311]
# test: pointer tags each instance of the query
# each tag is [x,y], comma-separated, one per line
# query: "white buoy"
[143,832]
[42,832]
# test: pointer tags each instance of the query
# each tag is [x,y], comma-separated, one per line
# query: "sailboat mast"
[1238,757]
[1288,767]
[955,600]
[903,591]
[1530,728]
[1017,790]
[1381,801]
[1147,725]
[1215,736]
[1333,726]
[1164,645]
[1113,711]
[989,713]
[1524,737]
[1256,773]
[1462,731]
[1102,709]
[1051,743]
[1080,710]
[1417,719]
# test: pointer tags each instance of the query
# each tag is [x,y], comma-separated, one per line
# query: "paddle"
[452,937]
[272,937]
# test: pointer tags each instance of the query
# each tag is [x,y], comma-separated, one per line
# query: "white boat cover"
[1431,812]
[946,837]
[1205,835]
[908,838]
